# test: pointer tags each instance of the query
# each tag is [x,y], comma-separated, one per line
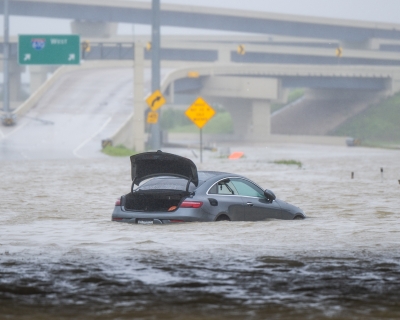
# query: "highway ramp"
[70,120]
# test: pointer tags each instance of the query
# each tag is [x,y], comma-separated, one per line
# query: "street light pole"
[155,67]
[5,61]
[8,119]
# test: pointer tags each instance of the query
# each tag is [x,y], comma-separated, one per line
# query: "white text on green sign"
[48,49]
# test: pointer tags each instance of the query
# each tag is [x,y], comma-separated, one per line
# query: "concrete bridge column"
[251,118]
[94,29]
[261,120]
[171,93]
[240,110]
[224,55]
[38,75]
[15,80]
[138,99]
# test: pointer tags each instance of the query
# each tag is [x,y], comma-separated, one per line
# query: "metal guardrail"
[125,51]
[107,51]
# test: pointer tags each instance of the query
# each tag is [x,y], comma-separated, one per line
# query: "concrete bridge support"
[239,110]
[138,99]
[38,75]
[94,29]
[132,132]
[224,55]
[251,118]
[14,79]
[248,101]
[261,120]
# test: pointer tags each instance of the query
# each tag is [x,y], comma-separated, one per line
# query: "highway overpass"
[223,49]
[357,32]
[290,51]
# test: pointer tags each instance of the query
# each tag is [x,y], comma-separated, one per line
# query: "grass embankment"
[118,151]
[176,121]
[289,162]
[292,96]
[377,126]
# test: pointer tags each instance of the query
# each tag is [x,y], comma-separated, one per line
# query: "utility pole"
[8,119]
[155,67]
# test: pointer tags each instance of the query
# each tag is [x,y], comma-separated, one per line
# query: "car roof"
[205,175]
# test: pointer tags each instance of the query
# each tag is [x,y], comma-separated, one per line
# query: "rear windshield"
[166,183]
[173,183]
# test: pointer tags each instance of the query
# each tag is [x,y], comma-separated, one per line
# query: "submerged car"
[167,188]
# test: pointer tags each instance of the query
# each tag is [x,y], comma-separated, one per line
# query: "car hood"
[154,164]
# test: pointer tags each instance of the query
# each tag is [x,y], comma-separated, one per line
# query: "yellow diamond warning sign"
[200,112]
[152,117]
[155,100]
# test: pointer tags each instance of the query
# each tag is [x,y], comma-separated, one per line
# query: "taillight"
[118,203]
[191,204]
[176,221]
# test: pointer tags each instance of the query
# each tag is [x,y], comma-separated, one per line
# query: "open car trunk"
[154,200]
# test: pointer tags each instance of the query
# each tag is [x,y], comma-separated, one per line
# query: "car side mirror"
[269,195]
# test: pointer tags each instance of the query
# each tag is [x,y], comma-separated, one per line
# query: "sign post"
[155,101]
[200,112]
[48,49]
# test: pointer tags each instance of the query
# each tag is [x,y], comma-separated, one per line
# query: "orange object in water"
[236,155]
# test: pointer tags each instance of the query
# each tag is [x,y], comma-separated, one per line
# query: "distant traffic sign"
[86,46]
[152,117]
[241,49]
[49,49]
[339,52]
[155,100]
[148,46]
[200,112]
[193,74]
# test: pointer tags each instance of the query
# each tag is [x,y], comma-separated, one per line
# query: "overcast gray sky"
[367,10]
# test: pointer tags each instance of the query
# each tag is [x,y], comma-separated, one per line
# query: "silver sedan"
[167,188]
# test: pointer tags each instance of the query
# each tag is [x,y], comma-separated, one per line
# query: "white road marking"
[75,151]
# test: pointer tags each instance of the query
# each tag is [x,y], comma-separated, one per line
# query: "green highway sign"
[48,49]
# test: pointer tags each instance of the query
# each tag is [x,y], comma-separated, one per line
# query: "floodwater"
[61,256]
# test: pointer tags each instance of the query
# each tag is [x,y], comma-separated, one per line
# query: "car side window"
[223,188]
[246,188]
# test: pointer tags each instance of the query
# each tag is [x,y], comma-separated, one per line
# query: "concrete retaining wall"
[324,140]
[124,135]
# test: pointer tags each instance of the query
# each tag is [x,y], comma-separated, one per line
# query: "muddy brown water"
[61,256]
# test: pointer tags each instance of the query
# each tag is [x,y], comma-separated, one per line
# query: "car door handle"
[250,204]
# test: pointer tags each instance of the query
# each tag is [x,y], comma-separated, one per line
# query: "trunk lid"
[154,164]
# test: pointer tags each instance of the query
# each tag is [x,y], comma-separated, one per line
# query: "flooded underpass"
[61,256]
